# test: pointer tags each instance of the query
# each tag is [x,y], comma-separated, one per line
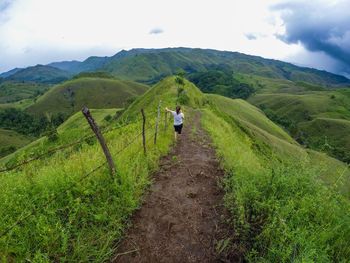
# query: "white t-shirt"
[178,118]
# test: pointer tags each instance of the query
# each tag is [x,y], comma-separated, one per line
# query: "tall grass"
[87,215]
[281,210]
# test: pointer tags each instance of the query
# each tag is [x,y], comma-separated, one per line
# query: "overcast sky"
[312,33]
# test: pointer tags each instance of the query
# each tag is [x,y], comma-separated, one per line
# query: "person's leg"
[175,130]
[179,129]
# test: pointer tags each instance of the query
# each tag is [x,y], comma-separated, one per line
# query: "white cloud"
[40,31]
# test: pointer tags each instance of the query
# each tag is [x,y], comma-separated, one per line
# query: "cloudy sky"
[312,33]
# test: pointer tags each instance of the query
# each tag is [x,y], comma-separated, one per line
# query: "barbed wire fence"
[68,145]
[54,197]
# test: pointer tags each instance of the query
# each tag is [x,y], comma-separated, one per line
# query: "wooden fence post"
[157,123]
[101,140]
[143,131]
[165,121]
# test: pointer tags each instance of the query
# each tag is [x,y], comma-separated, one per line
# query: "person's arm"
[172,112]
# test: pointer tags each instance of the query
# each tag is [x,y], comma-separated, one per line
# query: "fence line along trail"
[182,216]
[53,198]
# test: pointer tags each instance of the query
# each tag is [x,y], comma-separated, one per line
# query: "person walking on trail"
[178,119]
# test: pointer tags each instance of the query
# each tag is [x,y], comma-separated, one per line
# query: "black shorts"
[178,128]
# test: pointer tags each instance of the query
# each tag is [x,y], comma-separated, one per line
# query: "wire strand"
[61,148]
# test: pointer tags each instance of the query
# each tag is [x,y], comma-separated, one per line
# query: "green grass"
[284,207]
[40,74]
[299,107]
[249,114]
[286,203]
[71,96]
[85,222]
[22,104]
[16,91]
[73,129]
[11,141]
[150,65]
[78,122]
[275,85]
[166,91]
[310,116]
[328,135]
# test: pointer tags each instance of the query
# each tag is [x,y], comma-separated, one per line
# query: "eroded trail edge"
[182,218]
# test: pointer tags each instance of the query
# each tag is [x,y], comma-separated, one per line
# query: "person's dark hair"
[178,108]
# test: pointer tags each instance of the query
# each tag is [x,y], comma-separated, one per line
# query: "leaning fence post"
[143,131]
[157,122]
[100,138]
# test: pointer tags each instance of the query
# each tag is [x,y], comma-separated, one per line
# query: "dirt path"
[182,217]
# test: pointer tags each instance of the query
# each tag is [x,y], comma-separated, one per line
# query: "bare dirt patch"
[182,218]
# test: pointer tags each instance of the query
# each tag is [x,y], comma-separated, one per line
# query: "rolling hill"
[150,65]
[317,119]
[72,95]
[9,73]
[40,74]
[11,91]
[10,141]
[273,186]
[90,64]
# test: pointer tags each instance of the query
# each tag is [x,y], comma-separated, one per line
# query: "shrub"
[108,117]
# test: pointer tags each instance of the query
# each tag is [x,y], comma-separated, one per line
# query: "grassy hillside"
[22,104]
[318,119]
[275,191]
[16,91]
[40,74]
[10,141]
[249,114]
[263,84]
[149,65]
[9,73]
[271,139]
[75,67]
[71,96]
[328,135]
[221,82]
[73,129]
[170,95]
[284,201]
[88,213]
[78,123]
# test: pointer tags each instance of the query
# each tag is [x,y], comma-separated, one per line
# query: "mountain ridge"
[158,63]
[39,74]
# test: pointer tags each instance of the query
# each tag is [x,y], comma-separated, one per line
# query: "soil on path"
[182,217]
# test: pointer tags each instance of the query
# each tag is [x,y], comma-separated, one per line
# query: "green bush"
[108,117]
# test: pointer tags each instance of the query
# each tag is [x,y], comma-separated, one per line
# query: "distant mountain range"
[150,65]
[38,74]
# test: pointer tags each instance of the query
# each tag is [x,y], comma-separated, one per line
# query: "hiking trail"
[182,215]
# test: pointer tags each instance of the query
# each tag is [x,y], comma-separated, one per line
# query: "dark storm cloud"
[318,26]
[156,31]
